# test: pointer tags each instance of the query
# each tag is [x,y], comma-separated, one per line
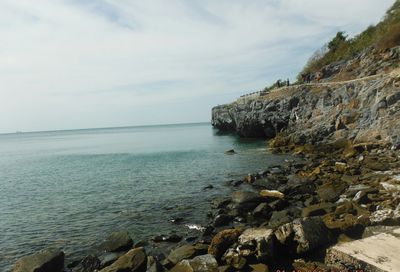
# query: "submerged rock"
[48,260]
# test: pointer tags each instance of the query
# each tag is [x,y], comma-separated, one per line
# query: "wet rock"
[303,234]
[176,220]
[174,238]
[117,241]
[183,252]
[48,260]
[153,265]
[208,187]
[272,194]
[203,263]
[88,264]
[108,258]
[261,239]
[222,241]
[222,220]
[135,260]
[220,202]
[331,191]
[230,152]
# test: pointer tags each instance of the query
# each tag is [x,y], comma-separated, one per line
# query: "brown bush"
[390,39]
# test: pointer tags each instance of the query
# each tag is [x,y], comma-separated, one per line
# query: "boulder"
[222,241]
[135,260]
[117,241]
[180,253]
[246,201]
[202,263]
[259,239]
[48,260]
[303,234]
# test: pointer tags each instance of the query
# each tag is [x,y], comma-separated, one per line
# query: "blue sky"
[85,63]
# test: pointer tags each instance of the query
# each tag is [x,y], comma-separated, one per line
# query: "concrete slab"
[378,253]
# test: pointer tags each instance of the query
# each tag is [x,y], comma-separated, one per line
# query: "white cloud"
[88,63]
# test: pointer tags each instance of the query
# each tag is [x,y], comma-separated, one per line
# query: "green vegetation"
[382,36]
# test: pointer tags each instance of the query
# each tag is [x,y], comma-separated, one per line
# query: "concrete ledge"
[377,253]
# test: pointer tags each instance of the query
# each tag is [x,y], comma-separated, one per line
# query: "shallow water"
[71,189]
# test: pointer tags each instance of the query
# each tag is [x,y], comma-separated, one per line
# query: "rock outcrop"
[361,110]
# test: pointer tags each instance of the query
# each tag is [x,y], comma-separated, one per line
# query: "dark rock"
[303,234]
[230,152]
[279,218]
[48,260]
[261,210]
[331,191]
[208,187]
[222,241]
[318,209]
[117,241]
[222,220]
[135,260]
[176,220]
[173,238]
[220,202]
[88,264]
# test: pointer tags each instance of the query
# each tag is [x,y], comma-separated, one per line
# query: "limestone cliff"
[364,109]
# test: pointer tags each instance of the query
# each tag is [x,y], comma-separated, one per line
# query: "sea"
[70,189]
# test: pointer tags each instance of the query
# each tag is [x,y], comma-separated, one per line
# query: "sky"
[68,64]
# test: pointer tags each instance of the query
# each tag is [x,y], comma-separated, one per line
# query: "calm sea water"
[71,189]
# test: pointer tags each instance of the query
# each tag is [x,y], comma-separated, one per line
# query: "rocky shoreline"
[286,217]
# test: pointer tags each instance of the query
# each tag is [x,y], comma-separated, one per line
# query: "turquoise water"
[71,189]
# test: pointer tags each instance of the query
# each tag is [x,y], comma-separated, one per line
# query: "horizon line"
[99,128]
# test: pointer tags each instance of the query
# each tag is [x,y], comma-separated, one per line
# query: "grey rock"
[202,263]
[305,234]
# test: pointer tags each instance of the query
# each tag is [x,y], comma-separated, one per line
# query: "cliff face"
[362,110]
